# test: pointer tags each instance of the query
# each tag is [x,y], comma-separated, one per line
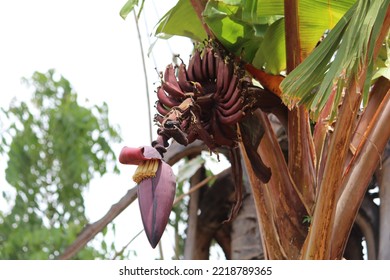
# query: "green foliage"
[129,7]
[254,30]
[307,219]
[227,23]
[3,141]
[181,20]
[382,64]
[272,51]
[339,58]
[56,146]
[259,35]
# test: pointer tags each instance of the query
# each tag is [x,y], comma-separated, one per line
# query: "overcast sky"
[98,52]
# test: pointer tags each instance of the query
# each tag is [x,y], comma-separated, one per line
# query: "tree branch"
[91,230]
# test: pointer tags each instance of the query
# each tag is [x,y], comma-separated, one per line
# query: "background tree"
[55,146]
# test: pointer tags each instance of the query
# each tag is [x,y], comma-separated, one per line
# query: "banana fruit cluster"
[204,101]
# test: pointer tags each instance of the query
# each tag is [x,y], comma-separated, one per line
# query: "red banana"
[231,119]
[198,67]
[161,109]
[220,78]
[195,68]
[166,100]
[231,110]
[211,65]
[233,86]
[228,73]
[170,76]
[173,90]
[184,84]
[219,136]
[205,65]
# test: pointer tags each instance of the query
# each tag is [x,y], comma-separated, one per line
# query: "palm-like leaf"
[338,58]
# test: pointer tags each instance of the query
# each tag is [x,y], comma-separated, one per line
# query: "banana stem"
[145,75]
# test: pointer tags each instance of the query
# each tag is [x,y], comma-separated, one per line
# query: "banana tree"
[321,67]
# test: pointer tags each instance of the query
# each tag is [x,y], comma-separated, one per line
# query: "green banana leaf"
[315,17]
[272,51]
[241,26]
[181,20]
[127,8]
[338,58]
[226,23]
[382,64]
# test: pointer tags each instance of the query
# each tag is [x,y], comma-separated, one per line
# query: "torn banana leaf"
[338,58]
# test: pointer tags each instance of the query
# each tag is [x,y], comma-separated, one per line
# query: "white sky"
[98,52]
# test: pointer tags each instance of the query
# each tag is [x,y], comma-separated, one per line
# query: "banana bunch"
[204,101]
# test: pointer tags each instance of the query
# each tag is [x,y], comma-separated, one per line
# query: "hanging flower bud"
[156,188]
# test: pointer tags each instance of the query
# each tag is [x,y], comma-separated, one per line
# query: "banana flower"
[156,188]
